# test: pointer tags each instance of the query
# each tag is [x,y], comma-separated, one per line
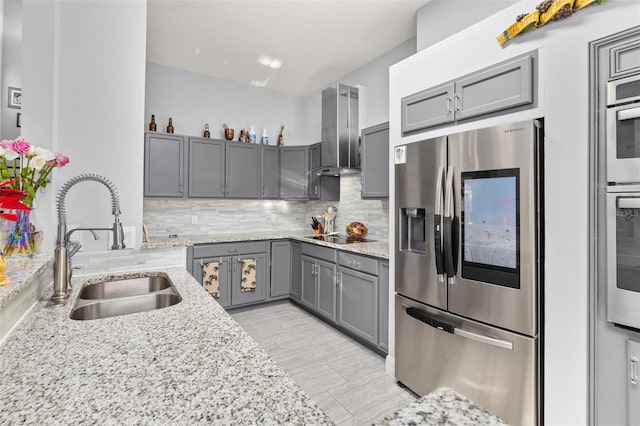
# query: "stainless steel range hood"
[340,131]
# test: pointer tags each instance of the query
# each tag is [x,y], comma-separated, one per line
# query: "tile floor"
[343,377]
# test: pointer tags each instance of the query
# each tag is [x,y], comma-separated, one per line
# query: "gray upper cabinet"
[269,172]
[624,59]
[508,84]
[164,171]
[427,108]
[374,175]
[241,170]
[358,303]
[499,87]
[280,268]
[206,168]
[314,180]
[294,180]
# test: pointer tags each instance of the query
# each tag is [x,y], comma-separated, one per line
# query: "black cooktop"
[340,239]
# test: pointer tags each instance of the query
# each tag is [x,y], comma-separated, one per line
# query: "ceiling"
[315,41]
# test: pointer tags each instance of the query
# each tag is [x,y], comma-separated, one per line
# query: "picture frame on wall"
[15,97]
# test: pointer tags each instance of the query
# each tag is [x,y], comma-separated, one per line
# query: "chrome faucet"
[65,248]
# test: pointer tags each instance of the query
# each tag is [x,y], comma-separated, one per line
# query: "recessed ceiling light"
[270,62]
[256,83]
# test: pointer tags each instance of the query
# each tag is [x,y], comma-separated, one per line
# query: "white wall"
[563,101]
[11,64]
[84,73]
[192,100]
[439,19]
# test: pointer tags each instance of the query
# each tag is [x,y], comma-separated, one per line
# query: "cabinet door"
[314,163]
[293,172]
[499,87]
[206,167]
[624,59]
[163,166]
[223,276]
[375,162]
[249,279]
[326,289]
[242,170]
[358,303]
[383,307]
[296,271]
[309,295]
[280,268]
[633,383]
[427,108]
[269,172]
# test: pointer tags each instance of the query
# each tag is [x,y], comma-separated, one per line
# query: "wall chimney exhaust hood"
[340,147]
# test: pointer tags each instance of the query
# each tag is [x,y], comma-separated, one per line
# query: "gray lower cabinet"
[164,171]
[374,175]
[206,168]
[633,383]
[294,179]
[383,306]
[296,271]
[269,172]
[241,170]
[358,303]
[243,270]
[281,268]
[222,266]
[309,293]
[508,84]
[326,275]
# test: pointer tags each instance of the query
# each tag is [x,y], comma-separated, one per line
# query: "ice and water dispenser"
[412,230]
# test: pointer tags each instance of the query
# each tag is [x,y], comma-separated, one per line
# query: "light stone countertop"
[184,364]
[379,248]
[22,271]
[443,406]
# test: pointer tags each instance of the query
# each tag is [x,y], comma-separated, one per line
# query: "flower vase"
[22,237]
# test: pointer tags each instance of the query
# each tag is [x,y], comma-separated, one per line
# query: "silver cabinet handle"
[449,106]
[504,344]
[456,102]
[634,370]
[627,114]
[232,250]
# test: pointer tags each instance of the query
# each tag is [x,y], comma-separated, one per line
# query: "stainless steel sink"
[123,306]
[125,288]
[124,296]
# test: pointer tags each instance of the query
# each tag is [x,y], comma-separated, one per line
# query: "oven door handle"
[628,114]
[628,203]
[437,225]
[424,317]
[504,344]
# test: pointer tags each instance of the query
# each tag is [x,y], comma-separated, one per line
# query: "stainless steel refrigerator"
[468,267]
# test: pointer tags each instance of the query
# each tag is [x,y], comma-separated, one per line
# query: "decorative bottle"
[264,140]
[207,134]
[170,126]
[152,123]
[281,137]
[252,135]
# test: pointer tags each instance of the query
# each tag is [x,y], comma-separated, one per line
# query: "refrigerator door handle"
[449,229]
[437,225]
[504,344]
[424,317]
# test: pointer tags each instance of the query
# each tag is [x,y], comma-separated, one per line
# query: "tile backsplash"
[166,216]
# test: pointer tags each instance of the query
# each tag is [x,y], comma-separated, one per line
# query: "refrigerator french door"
[468,266]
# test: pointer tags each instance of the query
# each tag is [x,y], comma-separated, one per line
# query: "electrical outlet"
[274,217]
[194,219]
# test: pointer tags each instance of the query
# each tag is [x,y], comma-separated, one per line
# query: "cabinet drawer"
[319,252]
[357,262]
[228,249]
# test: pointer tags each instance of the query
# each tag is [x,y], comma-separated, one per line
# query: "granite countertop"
[379,248]
[443,406]
[184,364]
[21,271]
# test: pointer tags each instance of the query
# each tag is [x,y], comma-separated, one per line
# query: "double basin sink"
[122,296]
